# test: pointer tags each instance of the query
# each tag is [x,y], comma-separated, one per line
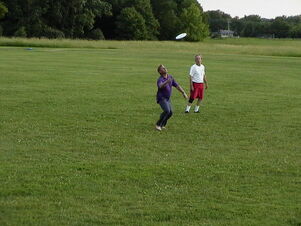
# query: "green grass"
[245,46]
[78,145]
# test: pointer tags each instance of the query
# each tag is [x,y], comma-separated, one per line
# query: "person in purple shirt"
[165,83]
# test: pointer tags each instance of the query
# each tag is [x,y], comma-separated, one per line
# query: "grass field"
[78,145]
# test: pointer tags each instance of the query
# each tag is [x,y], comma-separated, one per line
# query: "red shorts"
[198,91]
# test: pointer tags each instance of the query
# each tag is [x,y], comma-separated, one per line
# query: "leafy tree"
[192,23]
[170,14]
[21,32]
[217,20]
[295,31]
[143,7]
[14,16]
[96,34]
[131,25]
[252,18]
[236,26]
[295,26]
[280,27]
[249,29]
[50,32]
[294,20]
[77,17]
[252,26]
[166,11]
[138,19]
[3,10]
[54,18]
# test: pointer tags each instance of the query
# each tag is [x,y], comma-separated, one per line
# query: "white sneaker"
[158,128]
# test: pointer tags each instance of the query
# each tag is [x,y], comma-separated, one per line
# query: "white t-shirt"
[197,73]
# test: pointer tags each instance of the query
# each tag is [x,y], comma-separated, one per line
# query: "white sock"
[188,108]
[196,108]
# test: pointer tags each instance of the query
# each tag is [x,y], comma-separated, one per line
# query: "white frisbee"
[180,36]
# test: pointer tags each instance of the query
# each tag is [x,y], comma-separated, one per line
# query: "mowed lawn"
[78,144]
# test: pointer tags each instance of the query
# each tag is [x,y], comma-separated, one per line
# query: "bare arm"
[205,81]
[182,91]
[190,83]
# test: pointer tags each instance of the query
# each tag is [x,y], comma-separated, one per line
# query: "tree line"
[132,20]
[254,25]
[103,19]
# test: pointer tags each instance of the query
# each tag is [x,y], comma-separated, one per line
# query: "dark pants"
[166,114]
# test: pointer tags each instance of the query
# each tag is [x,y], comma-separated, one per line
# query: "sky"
[264,8]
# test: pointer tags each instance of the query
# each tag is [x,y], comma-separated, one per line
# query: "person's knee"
[168,112]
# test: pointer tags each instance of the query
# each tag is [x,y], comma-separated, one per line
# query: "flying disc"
[180,36]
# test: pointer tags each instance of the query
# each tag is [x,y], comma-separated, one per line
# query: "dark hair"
[159,67]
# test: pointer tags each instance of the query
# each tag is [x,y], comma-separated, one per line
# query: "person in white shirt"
[197,79]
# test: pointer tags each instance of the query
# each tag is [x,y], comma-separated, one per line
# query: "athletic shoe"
[186,112]
[197,112]
[158,128]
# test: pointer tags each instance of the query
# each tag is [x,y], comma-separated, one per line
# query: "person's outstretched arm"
[205,81]
[182,91]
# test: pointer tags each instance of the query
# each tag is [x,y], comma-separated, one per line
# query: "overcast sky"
[264,8]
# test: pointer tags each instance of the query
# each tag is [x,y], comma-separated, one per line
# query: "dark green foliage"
[3,10]
[254,25]
[145,22]
[132,19]
[280,27]
[151,23]
[192,23]
[96,34]
[97,19]
[180,16]
[131,25]
[296,31]
[166,11]
[236,25]
[77,17]
[50,32]
[21,32]
[54,18]
[217,20]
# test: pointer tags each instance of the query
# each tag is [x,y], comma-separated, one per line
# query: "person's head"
[162,70]
[198,59]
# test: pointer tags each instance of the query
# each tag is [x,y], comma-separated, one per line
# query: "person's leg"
[168,115]
[165,114]
[200,93]
[197,106]
[190,101]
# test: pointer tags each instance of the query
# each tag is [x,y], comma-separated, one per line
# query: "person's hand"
[206,86]
[191,89]
[185,96]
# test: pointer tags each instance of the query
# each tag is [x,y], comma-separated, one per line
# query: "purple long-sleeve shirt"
[165,92]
